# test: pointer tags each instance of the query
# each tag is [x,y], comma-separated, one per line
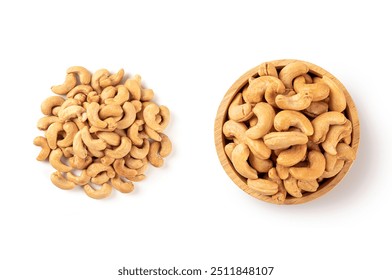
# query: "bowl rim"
[221,116]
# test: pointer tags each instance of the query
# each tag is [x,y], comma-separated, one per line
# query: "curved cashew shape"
[55,160]
[96,168]
[68,151]
[287,118]
[280,196]
[133,132]
[44,122]
[319,91]
[334,135]
[308,186]
[80,163]
[70,129]
[260,165]
[97,76]
[52,133]
[69,83]
[292,156]
[291,186]
[229,150]
[108,92]
[152,133]
[239,158]
[147,94]
[122,170]
[330,161]
[71,112]
[129,116]
[150,113]
[83,74]
[45,150]
[166,145]
[153,155]
[267,69]
[263,186]
[283,140]
[93,115]
[80,89]
[238,111]
[322,123]
[100,179]
[316,108]
[133,86]
[78,146]
[133,163]
[50,103]
[283,171]
[260,86]
[291,71]
[345,152]
[232,129]
[336,169]
[120,97]
[103,192]
[80,180]
[140,153]
[95,153]
[59,181]
[95,144]
[265,119]
[107,160]
[315,169]
[122,150]
[298,102]
[112,80]
[337,99]
[112,110]
[121,186]
[112,138]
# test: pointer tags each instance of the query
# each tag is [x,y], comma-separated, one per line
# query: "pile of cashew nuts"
[286,131]
[103,134]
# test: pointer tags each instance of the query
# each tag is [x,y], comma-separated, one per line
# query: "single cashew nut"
[95,168]
[336,169]
[315,169]
[291,186]
[59,181]
[330,161]
[153,155]
[93,115]
[229,150]
[292,156]
[316,108]
[112,138]
[345,152]
[140,153]
[103,192]
[283,140]
[97,76]
[80,163]
[122,170]
[133,86]
[334,135]
[80,180]
[83,74]
[260,86]
[265,119]
[298,102]
[80,89]
[267,69]
[71,112]
[133,132]
[308,186]
[112,80]
[288,118]
[260,165]
[283,171]
[152,133]
[129,116]
[45,150]
[121,186]
[280,196]
[69,83]
[291,71]
[70,129]
[147,94]
[78,146]
[120,151]
[149,115]
[55,160]
[262,186]
[95,144]
[337,99]
[120,97]
[322,123]
[239,158]
[50,103]
[238,111]
[52,133]
[45,122]
[319,91]
[112,110]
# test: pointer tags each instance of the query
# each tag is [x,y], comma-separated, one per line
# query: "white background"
[189,214]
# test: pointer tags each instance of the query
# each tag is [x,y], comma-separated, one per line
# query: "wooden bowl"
[220,141]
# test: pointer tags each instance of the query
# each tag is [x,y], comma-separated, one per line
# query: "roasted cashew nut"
[97,76]
[122,170]
[78,146]
[50,103]
[121,186]
[71,112]
[52,134]
[334,135]
[337,99]
[70,129]
[239,158]
[69,83]
[292,156]
[308,186]
[153,155]
[265,119]
[267,69]
[322,123]
[291,71]
[93,115]
[59,181]
[122,150]
[260,86]
[129,116]
[140,153]
[55,160]
[45,122]
[283,140]
[112,110]
[134,88]
[112,80]
[298,102]
[80,89]
[102,192]
[315,170]
[120,97]
[83,74]
[262,186]
[80,180]
[288,118]
[80,163]
[95,144]
[319,91]
[151,111]
[291,186]
[111,138]
[133,132]
[45,150]
[238,111]
[316,108]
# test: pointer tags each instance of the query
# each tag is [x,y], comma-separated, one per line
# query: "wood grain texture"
[326,186]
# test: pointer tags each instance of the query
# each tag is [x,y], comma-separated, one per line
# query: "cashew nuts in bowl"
[287,132]
[106,131]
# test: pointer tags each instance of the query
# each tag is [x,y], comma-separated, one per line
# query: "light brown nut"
[80,163]
[149,116]
[121,96]
[67,151]
[71,112]
[44,122]
[298,102]
[70,129]
[78,146]
[93,115]
[334,135]
[153,155]
[80,180]
[59,181]
[238,111]
[229,150]
[97,76]
[316,108]
[262,186]
[322,124]
[69,83]
[260,86]
[291,186]
[120,151]
[122,170]
[267,69]
[133,132]
[133,163]
[260,165]
[45,150]
[239,158]
[79,89]
[283,171]
[288,118]
[107,160]
[50,103]
[152,133]
[166,145]
[102,192]
[291,71]
[265,119]
[134,88]
[140,153]
[83,74]
[55,160]
[283,140]
[147,94]
[292,156]
[330,161]
[337,100]
[280,196]
[112,110]
[112,80]
[319,91]
[111,138]
[100,179]
[121,186]
[336,169]
[52,134]
[345,152]
[313,171]
[95,144]
[129,116]
[95,168]
[308,186]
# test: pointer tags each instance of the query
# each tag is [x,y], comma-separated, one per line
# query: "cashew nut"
[291,186]
[69,83]
[337,99]
[153,155]
[280,196]
[345,152]
[260,86]
[122,150]
[292,156]
[322,123]
[78,146]
[122,170]
[102,192]
[80,180]
[133,86]
[291,71]
[45,122]
[133,132]
[50,103]
[152,133]
[308,186]
[97,76]
[80,163]
[71,112]
[45,150]
[120,97]
[260,165]
[315,169]
[70,129]
[283,140]
[267,69]
[140,153]
[83,74]
[298,102]
[52,133]
[112,80]
[55,160]
[265,118]
[336,169]
[121,186]
[129,116]
[239,158]
[93,117]
[83,89]
[59,181]
[112,110]
[319,91]
[287,118]
[282,171]
[147,94]
[334,135]
[229,150]
[262,186]
[149,115]
[316,108]
[112,138]
[238,111]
